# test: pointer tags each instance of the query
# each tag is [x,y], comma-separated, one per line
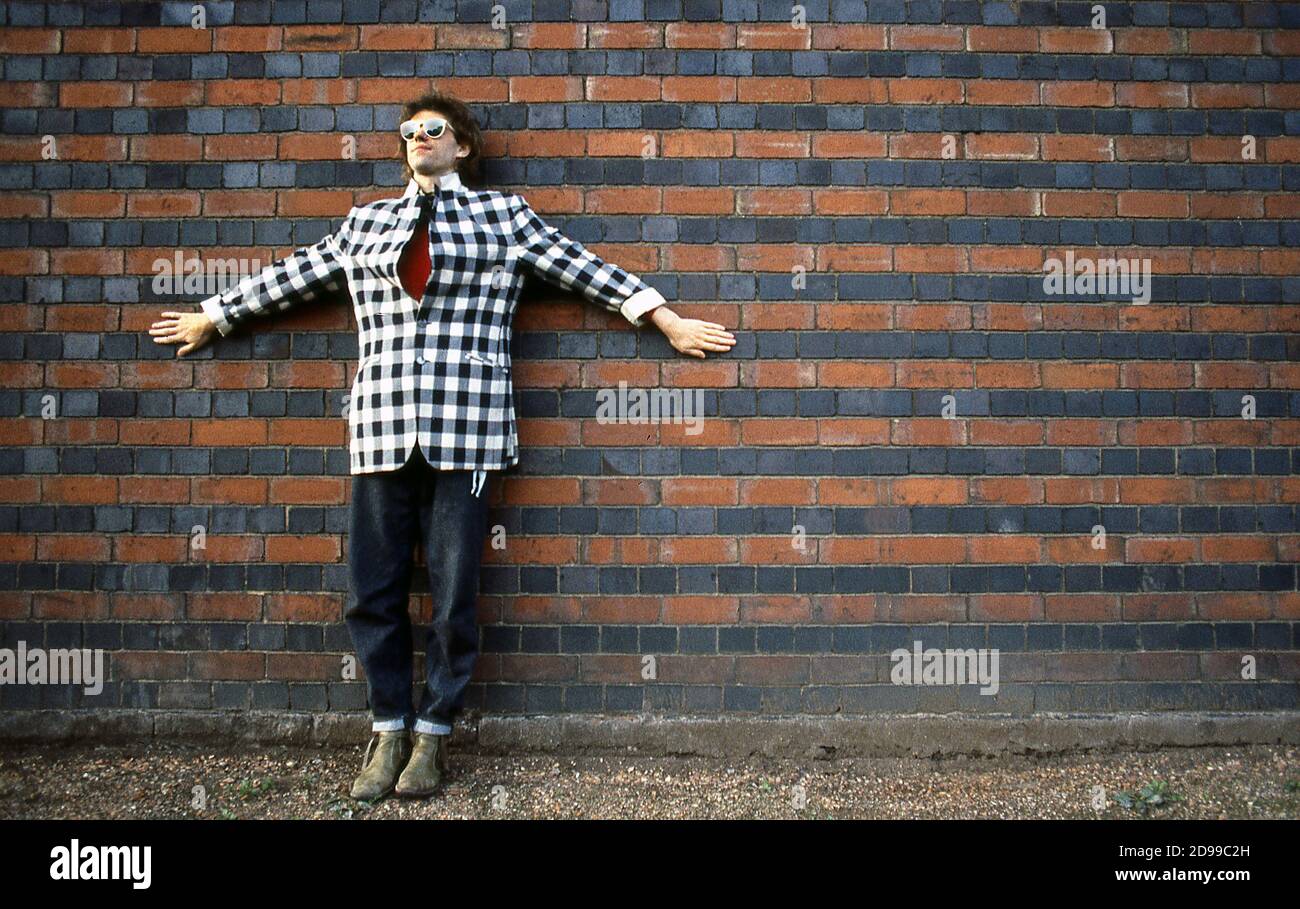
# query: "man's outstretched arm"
[568,264]
[302,275]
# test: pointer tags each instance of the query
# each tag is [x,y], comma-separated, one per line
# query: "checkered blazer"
[435,370]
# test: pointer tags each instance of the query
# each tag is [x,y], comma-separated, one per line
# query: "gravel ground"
[158,781]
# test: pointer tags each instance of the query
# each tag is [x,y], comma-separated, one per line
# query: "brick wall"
[913,439]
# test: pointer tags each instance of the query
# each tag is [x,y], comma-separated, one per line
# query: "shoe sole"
[414,795]
[420,793]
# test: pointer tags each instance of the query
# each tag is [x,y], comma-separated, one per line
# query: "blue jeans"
[392,511]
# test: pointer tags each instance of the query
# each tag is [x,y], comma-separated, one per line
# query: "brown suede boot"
[380,770]
[424,770]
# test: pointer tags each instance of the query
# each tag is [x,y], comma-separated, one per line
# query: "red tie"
[413,266]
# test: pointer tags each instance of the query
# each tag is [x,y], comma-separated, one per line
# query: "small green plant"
[1155,794]
[255,788]
[1292,786]
[227,814]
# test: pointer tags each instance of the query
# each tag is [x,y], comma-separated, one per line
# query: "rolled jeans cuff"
[427,727]
[388,725]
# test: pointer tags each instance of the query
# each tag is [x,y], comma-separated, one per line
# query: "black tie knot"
[425,202]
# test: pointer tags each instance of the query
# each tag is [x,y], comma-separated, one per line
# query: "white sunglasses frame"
[421,126]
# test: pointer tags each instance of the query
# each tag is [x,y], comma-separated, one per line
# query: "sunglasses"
[433,128]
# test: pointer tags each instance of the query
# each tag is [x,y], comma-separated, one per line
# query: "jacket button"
[419,360]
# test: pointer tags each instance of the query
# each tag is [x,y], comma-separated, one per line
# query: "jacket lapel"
[387,247]
[392,242]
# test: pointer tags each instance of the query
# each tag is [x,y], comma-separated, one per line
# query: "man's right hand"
[193,328]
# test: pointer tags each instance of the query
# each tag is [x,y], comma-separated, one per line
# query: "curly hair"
[462,122]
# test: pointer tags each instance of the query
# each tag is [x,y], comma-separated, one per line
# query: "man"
[434,277]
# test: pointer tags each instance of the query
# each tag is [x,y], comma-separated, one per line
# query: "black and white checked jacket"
[435,370]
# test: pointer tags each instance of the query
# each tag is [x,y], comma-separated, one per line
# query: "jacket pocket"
[492,361]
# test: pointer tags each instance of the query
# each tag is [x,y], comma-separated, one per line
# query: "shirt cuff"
[212,308]
[640,303]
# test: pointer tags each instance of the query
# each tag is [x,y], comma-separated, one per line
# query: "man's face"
[434,157]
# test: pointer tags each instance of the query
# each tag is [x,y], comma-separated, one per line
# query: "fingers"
[184,350]
[170,333]
[699,341]
[715,333]
[697,350]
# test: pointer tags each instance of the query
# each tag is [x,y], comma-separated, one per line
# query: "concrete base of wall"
[809,737]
